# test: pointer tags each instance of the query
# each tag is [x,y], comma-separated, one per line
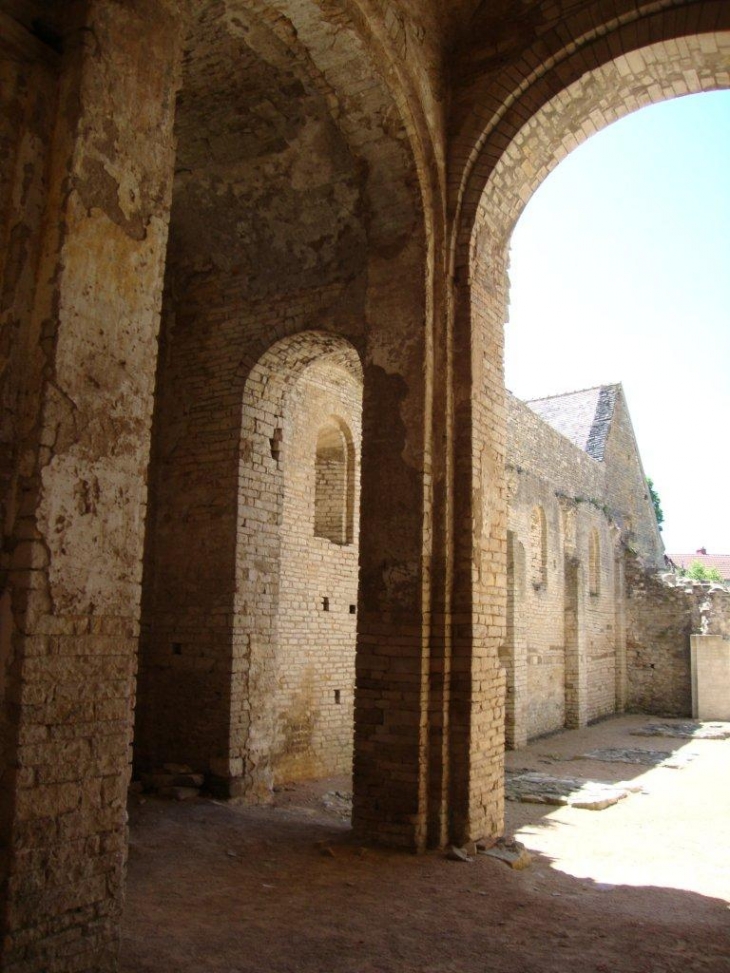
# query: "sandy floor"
[641,887]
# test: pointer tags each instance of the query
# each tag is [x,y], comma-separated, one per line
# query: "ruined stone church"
[254,281]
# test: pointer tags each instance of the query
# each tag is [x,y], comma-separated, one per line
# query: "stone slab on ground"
[509,851]
[533,788]
[645,758]
[685,731]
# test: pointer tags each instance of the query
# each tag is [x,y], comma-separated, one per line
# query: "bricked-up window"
[594,563]
[333,485]
[538,548]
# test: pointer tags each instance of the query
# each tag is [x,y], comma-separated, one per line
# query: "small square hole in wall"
[177,648]
[325,604]
[353,609]
[338,699]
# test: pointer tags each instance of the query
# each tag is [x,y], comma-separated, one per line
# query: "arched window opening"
[333,485]
[594,563]
[538,548]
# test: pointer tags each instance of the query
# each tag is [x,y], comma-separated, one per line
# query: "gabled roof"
[719,561]
[583,417]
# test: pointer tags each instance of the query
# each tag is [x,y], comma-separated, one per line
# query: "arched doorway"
[558,100]
[297,563]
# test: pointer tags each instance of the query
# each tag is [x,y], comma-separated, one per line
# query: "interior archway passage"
[292,694]
[514,122]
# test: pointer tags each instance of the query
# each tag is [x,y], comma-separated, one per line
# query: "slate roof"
[719,561]
[584,417]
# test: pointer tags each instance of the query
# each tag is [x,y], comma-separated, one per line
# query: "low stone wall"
[662,613]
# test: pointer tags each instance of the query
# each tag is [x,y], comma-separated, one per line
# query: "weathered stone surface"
[644,758]
[343,182]
[511,852]
[686,731]
[533,788]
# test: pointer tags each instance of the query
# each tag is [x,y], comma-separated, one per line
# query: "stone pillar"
[73,589]
[392,695]
[514,654]
[576,677]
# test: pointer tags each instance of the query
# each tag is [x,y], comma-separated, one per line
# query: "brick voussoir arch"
[570,51]
[609,76]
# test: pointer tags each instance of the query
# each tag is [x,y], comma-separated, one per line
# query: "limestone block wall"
[626,491]
[84,313]
[662,614]
[541,604]
[600,640]
[316,616]
[571,639]
[659,624]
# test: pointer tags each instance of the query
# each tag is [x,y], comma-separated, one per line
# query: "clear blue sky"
[620,272]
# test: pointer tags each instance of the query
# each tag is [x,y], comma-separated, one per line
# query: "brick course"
[346,170]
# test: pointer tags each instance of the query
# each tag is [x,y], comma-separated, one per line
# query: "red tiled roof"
[719,561]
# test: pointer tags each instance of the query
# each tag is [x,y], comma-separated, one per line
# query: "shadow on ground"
[225,889]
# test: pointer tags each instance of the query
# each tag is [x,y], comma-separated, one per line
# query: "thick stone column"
[429,733]
[75,526]
[392,664]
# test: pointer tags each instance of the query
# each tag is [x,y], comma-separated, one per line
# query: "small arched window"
[594,563]
[538,548]
[333,484]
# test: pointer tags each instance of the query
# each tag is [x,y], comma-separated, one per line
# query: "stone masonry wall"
[73,525]
[661,616]
[547,472]
[316,617]
[626,490]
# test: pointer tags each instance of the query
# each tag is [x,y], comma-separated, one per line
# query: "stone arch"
[300,195]
[658,54]
[275,539]
[518,109]
[334,481]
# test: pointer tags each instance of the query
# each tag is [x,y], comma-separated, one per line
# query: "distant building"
[578,506]
[709,561]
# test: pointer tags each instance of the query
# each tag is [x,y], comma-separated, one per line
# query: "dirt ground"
[640,887]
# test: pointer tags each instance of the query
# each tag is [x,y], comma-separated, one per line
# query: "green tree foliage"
[698,572]
[656,502]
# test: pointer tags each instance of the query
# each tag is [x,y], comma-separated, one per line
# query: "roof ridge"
[562,395]
[697,554]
